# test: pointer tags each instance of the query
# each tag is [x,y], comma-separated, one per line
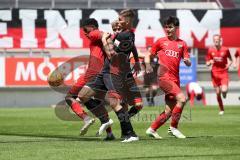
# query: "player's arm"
[236,61]
[229,59]
[108,45]
[187,62]
[209,59]
[236,64]
[137,67]
[186,56]
[155,48]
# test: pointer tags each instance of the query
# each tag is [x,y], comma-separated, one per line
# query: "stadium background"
[36,36]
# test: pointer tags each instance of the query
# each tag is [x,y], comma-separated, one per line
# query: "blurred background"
[36,36]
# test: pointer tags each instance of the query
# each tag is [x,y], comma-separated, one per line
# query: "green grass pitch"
[37,134]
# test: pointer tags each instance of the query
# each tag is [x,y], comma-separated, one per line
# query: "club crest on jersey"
[165,44]
[180,46]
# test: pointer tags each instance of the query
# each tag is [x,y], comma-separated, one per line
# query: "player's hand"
[209,63]
[236,66]
[187,62]
[137,68]
[149,68]
[106,35]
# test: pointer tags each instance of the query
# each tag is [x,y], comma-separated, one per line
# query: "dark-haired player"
[170,50]
[95,65]
[220,59]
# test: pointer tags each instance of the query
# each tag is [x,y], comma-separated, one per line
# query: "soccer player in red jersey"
[220,59]
[170,50]
[237,61]
[95,65]
[194,90]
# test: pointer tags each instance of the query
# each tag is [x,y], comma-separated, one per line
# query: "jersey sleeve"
[155,47]
[186,54]
[95,35]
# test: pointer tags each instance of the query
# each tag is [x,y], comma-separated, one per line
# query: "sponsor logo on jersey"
[172,53]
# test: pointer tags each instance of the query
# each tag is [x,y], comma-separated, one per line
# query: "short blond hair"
[128,13]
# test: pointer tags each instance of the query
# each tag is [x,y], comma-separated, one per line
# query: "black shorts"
[131,92]
[119,86]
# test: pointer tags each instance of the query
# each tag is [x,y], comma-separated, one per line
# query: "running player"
[194,90]
[95,66]
[220,59]
[170,51]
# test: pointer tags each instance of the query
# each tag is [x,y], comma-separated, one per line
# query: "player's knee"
[181,99]
[168,111]
[83,98]
[69,99]
[138,103]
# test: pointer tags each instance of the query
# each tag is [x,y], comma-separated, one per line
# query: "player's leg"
[224,85]
[163,117]
[216,81]
[133,96]
[147,86]
[224,90]
[154,93]
[77,107]
[96,106]
[102,114]
[114,84]
[219,99]
[175,95]
[176,115]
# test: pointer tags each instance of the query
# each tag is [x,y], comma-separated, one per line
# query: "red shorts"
[220,78]
[170,86]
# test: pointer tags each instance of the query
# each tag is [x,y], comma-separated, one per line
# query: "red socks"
[220,103]
[176,115]
[77,108]
[160,120]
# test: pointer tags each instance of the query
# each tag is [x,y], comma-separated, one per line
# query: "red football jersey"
[97,55]
[170,54]
[219,58]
